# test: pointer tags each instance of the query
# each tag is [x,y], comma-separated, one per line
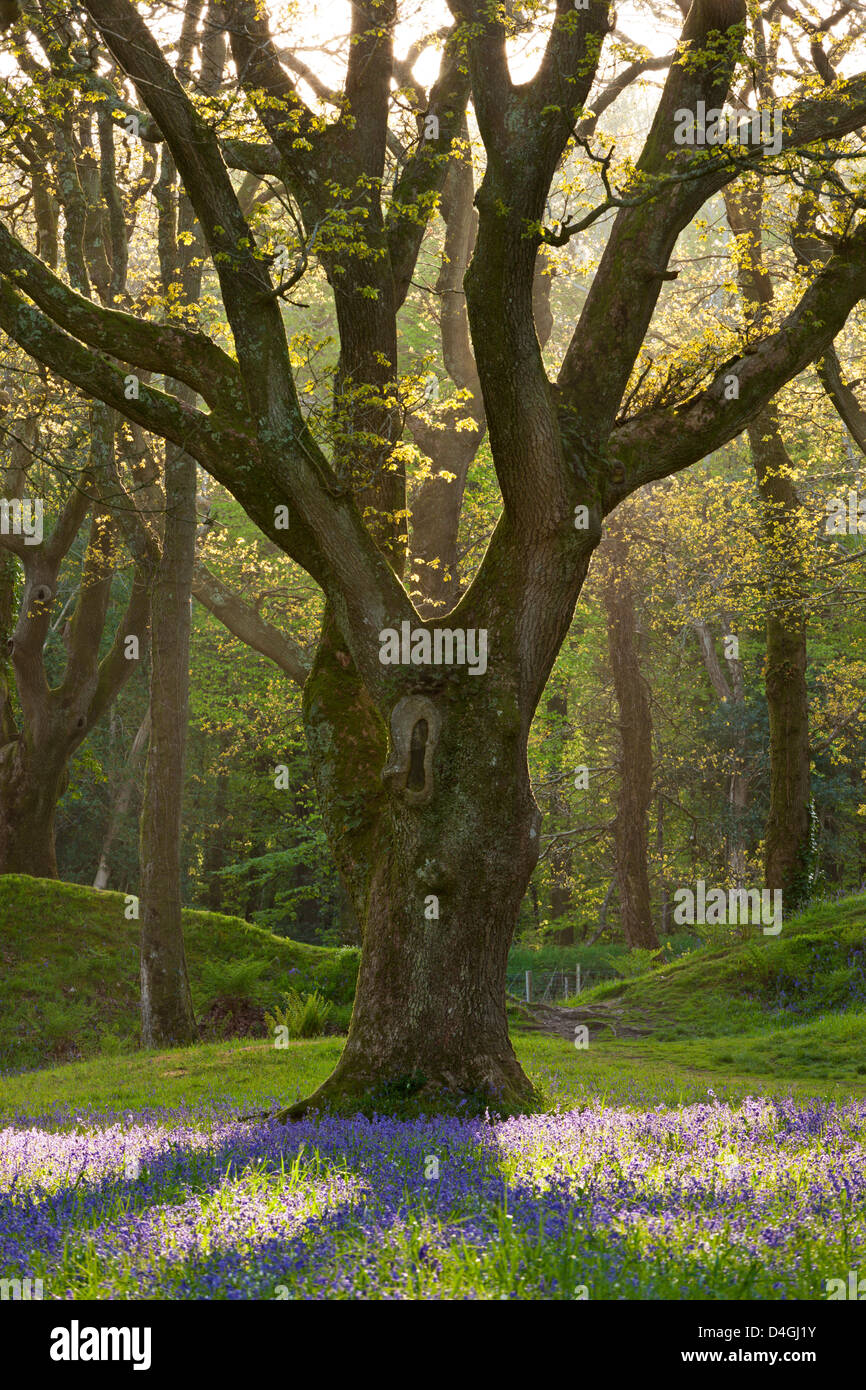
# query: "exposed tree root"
[407,1097]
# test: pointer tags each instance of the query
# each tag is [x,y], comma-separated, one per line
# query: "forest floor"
[562,1021]
[654,1172]
[708,1141]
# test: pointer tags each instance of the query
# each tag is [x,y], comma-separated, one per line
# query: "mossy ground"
[69,968]
[775,1014]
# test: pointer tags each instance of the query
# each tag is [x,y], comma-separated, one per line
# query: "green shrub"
[303,1015]
[715,935]
[762,965]
[342,1017]
[337,974]
[232,979]
[62,1022]
[638,961]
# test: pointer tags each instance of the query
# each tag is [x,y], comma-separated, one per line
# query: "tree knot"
[415,725]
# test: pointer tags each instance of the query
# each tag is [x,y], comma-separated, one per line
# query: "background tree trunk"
[787,833]
[120,801]
[167,1017]
[730,690]
[8,579]
[55,720]
[31,784]
[562,852]
[166,1003]
[787,841]
[631,826]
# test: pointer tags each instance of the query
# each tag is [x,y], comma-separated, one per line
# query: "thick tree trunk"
[631,827]
[437,854]
[406,1023]
[31,784]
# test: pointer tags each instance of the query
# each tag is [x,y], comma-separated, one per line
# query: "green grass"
[69,966]
[257,1075]
[244,1070]
[770,1012]
[815,967]
[601,958]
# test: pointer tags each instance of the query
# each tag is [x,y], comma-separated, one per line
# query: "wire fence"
[545,986]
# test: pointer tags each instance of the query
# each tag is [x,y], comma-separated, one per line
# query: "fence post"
[529,986]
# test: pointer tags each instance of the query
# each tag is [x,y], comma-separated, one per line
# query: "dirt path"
[599,1018]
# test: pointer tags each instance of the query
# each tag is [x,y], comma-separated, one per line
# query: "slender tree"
[121,800]
[787,832]
[729,688]
[631,823]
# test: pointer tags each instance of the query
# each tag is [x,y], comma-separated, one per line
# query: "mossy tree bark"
[438,848]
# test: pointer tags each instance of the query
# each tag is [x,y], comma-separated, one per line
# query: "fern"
[303,1015]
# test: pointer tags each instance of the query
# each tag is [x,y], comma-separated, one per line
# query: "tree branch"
[189,356]
[248,625]
[662,442]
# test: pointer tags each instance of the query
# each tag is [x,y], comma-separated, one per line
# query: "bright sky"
[317,29]
[324,22]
